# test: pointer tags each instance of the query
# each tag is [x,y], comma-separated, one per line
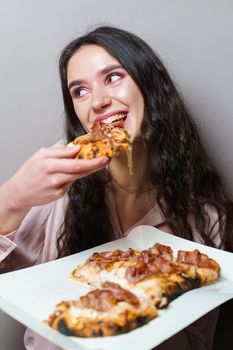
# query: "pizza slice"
[111,310]
[105,140]
[154,273]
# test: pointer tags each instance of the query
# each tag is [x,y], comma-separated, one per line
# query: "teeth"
[113,118]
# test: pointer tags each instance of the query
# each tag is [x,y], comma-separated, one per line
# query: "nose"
[100,98]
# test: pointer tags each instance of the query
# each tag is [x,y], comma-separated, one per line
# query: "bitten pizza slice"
[108,311]
[105,140]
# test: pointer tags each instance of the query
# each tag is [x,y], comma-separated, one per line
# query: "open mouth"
[115,120]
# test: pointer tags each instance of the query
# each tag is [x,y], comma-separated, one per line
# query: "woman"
[46,206]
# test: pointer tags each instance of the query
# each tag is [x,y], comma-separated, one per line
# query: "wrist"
[9,194]
[12,209]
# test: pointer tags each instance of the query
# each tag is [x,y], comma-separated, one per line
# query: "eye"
[114,77]
[79,92]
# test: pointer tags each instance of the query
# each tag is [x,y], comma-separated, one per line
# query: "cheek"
[138,112]
[139,105]
[122,94]
[80,111]
[136,97]
[131,96]
[82,116]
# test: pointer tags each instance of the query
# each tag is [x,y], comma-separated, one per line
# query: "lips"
[114,118]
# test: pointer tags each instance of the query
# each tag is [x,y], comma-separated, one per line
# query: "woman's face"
[102,90]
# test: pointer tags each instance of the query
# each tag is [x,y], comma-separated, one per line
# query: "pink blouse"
[35,242]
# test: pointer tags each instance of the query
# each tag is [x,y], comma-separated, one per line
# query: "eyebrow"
[105,70]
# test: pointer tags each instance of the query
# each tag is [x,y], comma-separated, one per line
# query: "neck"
[130,189]
[137,182]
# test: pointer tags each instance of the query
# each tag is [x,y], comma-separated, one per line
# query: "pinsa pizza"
[128,287]
[105,140]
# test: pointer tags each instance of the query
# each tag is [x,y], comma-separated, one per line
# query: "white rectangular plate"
[30,295]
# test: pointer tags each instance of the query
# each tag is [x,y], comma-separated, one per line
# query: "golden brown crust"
[83,320]
[88,328]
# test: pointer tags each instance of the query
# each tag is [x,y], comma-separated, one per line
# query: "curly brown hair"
[186,180]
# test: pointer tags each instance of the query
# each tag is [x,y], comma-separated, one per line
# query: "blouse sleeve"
[21,248]
[6,246]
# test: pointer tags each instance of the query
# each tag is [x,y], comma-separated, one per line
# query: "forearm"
[12,210]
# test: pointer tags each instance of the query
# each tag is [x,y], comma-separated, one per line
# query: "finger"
[59,152]
[65,180]
[74,166]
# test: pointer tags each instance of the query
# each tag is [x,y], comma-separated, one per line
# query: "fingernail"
[72,146]
[105,160]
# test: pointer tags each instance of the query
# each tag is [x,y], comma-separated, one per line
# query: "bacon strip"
[104,259]
[121,294]
[194,257]
[155,261]
[104,299]
[157,266]
[162,250]
[99,300]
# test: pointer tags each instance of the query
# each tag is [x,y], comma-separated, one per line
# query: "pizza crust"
[71,318]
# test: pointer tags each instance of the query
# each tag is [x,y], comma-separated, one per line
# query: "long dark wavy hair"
[185,177]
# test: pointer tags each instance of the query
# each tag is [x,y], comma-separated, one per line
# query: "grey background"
[194,39]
